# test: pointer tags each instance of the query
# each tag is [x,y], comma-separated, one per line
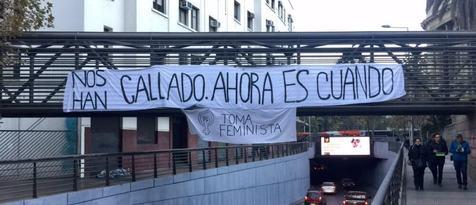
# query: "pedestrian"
[417,156]
[437,150]
[460,150]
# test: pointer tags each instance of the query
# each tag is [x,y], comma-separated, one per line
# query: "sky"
[358,15]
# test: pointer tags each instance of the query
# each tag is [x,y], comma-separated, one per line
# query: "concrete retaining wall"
[275,181]
[378,171]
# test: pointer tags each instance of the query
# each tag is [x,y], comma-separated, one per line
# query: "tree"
[17,16]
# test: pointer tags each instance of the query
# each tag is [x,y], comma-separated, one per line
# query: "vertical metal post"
[272,151]
[31,73]
[372,56]
[107,172]
[133,168]
[236,156]
[226,155]
[155,165]
[76,58]
[216,157]
[35,185]
[190,161]
[204,160]
[75,175]
[245,154]
[299,54]
[253,153]
[174,166]
[261,152]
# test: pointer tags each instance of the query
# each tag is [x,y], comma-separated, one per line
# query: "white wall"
[33,123]
[138,15]
[98,13]
[69,15]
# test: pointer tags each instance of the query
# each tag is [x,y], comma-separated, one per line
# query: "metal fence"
[440,67]
[44,176]
[390,190]
[25,144]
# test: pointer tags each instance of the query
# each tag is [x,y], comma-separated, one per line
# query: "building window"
[267,1]
[107,29]
[237,11]
[195,18]
[159,5]
[280,10]
[146,127]
[269,26]
[183,15]
[290,22]
[213,24]
[272,4]
[251,17]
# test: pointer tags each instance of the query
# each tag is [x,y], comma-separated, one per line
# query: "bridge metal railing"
[439,67]
[389,192]
[31,178]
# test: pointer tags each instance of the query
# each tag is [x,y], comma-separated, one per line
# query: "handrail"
[43,159]
[27,178]
[382,194]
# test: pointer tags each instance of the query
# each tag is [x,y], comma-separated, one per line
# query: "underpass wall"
[379,169]
[275,181]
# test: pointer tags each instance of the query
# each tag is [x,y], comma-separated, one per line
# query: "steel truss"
[440,67]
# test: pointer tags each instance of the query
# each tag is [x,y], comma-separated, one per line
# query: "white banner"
[238,126]
[232,87]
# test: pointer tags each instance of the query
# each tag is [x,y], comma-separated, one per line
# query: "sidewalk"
[435,195]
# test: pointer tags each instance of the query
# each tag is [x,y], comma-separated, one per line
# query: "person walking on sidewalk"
[417,156]
[437,150]
[460,150]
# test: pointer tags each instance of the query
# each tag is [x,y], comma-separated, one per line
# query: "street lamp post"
[389,26]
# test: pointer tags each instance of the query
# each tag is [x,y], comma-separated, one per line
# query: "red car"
[315,197]
[356,198]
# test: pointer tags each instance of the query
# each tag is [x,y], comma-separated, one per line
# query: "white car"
[328,188]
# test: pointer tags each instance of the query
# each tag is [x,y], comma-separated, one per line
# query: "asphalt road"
[334,170]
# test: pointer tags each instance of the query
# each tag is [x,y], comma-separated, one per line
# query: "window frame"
[195,26]
[250,20]
[186,19]
[237,11]
[212,28]
[141,125]
[161,9]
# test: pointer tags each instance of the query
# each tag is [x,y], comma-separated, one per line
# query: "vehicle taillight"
[366,203]
[320,198]
[305,198]
[344,202]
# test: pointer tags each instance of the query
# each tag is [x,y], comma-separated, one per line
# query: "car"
[328,188]
[356,198]
[348,183]
[315,197]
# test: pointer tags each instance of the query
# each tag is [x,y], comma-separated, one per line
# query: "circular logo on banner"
[206,118]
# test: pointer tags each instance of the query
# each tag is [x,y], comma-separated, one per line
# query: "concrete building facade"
[123,134]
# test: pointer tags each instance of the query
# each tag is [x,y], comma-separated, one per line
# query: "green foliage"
[17,16]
